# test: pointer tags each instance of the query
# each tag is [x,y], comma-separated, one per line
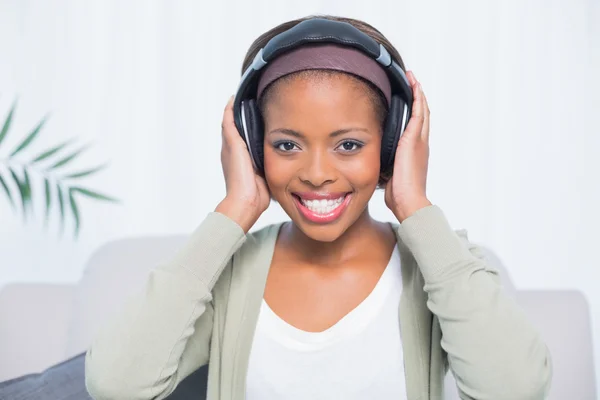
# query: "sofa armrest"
[562,317]
[35,322]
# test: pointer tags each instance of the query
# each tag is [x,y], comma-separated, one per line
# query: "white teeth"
[322,206]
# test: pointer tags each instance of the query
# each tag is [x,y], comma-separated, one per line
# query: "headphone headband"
[320,30]
[325,56]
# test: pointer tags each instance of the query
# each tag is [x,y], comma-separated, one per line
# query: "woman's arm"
[163,334]
[493,350]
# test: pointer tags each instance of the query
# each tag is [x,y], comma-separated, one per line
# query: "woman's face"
[321,151]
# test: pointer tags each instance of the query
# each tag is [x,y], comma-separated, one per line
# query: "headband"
[329,57]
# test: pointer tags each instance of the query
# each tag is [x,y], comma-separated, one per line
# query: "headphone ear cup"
[255,127]
[391,133]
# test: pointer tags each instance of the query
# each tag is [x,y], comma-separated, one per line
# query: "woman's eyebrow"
[286,131]
[297,134]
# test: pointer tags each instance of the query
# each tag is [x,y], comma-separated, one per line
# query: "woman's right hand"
[247,193]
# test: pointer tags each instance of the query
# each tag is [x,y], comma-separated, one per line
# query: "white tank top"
[360,357]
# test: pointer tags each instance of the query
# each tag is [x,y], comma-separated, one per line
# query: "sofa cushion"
[66,381]
[26,310]
[116,271]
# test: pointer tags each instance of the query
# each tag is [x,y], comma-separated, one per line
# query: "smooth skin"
[322,135]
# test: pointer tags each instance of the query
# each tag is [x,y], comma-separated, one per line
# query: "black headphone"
[246,113]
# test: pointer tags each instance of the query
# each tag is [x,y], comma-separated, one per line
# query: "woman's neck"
[363,234]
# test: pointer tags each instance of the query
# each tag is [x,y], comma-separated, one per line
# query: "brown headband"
[329,57]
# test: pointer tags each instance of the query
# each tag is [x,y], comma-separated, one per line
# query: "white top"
[360,357]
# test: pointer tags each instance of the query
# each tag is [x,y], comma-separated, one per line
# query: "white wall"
[513,88]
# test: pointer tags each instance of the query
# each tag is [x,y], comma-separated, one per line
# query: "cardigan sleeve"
[162,335]
[493,351]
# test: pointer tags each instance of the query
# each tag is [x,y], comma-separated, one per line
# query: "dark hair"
[375,94]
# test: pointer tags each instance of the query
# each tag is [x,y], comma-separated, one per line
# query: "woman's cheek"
[278,171]
[362,169]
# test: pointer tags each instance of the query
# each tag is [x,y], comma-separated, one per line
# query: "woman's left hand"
[405,192]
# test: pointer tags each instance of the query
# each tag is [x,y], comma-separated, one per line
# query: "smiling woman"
[331,303]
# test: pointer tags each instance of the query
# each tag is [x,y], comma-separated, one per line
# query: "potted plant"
[61,188]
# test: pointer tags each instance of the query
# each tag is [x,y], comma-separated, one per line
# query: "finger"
[426,115]
[415,124]
[411,78]
[229,130]
[228,115]
[229,104]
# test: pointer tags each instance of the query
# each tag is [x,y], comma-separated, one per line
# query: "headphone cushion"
[255,127]
[391,133]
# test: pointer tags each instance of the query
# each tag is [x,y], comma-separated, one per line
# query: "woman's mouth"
[322,207]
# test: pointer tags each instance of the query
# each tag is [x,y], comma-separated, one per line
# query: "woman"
[331,304]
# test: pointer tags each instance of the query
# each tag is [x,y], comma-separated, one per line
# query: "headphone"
[248,119]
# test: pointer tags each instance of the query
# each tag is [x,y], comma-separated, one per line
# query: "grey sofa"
[65,381]
[71,314]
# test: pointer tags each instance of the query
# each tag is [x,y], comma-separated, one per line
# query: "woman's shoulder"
[260,241]
[265,234]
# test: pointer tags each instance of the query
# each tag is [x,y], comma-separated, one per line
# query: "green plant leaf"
[7,122]
[22,193]
[48,197]
[75,211]
[29,137]
[27,189]
[85,173]
[92,194]
[61,205]
[52,151]
[7,190]
[68,158]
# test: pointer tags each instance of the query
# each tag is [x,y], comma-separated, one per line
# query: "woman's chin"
[321,233]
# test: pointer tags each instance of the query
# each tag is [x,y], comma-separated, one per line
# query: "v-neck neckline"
[350,324]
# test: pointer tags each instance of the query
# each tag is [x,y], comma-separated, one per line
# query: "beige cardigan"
[203,305]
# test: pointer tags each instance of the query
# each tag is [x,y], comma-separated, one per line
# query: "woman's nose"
[317,170]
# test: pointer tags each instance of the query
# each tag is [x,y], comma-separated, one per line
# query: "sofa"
[46,328]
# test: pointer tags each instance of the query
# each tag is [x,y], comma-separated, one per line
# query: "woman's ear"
[384,178]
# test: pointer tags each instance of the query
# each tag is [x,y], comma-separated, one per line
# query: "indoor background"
[513,88]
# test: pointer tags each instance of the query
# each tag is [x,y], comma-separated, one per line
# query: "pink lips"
[322,218]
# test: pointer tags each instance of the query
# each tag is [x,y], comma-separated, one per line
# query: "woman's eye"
[350,146]
[285,146]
